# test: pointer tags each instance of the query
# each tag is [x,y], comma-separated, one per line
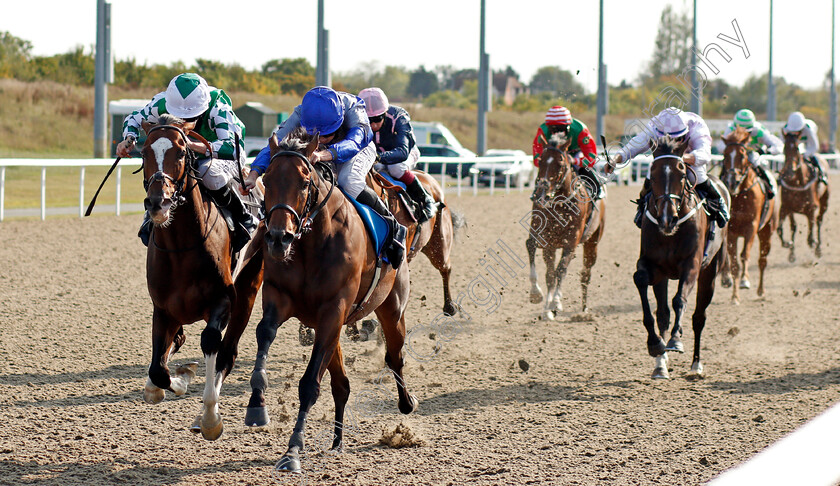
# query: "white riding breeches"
[351,174]
[217,173]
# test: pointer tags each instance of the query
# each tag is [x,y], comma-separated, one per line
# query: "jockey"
[582,148]
[346,140]
[678,124]
[189,97]
[808,132]
[761,141]
[397,149]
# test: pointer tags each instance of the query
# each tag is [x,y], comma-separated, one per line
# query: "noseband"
[304,220]
[160,175]
[679,198]
[544,183]
[737,170]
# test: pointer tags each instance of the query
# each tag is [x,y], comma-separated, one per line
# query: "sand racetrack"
[76,342]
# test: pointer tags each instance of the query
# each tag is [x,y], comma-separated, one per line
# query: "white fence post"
[2,192]
[460,169]
[119,188]
[82,192]
[43,193]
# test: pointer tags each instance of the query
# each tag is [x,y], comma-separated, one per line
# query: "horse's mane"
[168,119]
[296,140]
[558,140]
[668,144]
[740,134]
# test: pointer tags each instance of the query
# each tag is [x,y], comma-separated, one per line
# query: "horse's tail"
[459,222]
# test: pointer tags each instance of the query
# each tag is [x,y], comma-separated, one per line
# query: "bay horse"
[753,213]
[320,267]
[189,272]
[802,193]
[564,215]
[435,237]
[674,246]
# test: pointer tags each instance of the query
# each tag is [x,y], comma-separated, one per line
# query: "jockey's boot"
[715,202]
[145,229]
[395,251]
[593,182]
[428,206]
[244,223]
[818,167]
[764,174]
[642,203]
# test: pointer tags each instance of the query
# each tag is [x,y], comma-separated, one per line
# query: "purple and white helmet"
[670,122]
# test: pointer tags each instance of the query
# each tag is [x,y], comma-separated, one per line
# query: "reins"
[679,198]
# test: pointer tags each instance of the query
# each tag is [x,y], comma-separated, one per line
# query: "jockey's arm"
[539,144]
[587,146]
[399,152]
[812,142]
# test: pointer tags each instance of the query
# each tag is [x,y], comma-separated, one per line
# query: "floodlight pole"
[602,75]
[103,74]
[833,98]
[696,96]
[771,86]
[322,60]
[484,86]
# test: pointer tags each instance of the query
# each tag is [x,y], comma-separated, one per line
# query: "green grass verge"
[23,187]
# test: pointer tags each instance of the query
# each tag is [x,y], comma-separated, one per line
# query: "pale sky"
[525,35]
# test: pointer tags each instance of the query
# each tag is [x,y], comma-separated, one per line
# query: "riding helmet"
[670,122]
[744,118]
[376,103]
[796,122]
[187,96]
[321,111]
[558,115]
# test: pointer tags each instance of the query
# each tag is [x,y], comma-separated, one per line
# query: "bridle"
[544,183]
[737,171]
[303,221]
[679,198]
[160,175]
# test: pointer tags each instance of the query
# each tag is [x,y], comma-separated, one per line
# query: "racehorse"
[322,268]
[189,272]
[435,237]
[802,193]
[564,215]
[675,246]
[753,213]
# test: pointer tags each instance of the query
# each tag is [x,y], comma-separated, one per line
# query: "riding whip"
[101,184]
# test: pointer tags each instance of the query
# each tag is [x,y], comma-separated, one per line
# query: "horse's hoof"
[792,258]
[675,345]
[196,425]
[660,373]
[726,282]
[536,297]
[818,252]
[288,463]
[450,309]
[256,417]
[154,396]
[736,300]
[696,371]
[411,406]
[212,429]
[547,316]
[745,284]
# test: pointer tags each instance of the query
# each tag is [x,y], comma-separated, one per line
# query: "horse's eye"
[181,154]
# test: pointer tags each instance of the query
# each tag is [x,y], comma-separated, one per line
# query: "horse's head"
[735,161]
[793,156]
[290,191]
[554,166]
[166,160]
[668,179]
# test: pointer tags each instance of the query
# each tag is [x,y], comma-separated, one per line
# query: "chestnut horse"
[675,246]
[802,193]
[321,268]
[753,213]
[189,272]
[564,215]
[434,237]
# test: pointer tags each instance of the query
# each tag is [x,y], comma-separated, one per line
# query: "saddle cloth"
[391,179]
[375,224]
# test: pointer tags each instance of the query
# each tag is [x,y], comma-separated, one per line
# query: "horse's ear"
[273,143]
[313,144]
[146,126]
[189,126]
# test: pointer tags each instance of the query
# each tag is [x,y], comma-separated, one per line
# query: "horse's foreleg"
[550,284]
[275,312]
[559,275]
[536,292]
[663,312]
[749,240]
[327,335]
[726,274]
[687,280]
[590,256]
[791,256]
[655,344]
[823,207]
[341,392]
[812,223]
[211,342]
[705,292]
[247,284]
[164,330]
[765,237]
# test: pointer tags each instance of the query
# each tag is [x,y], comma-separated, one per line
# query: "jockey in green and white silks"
[761,141]
[190,98]
[807,133]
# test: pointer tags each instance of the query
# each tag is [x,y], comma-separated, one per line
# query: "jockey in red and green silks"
[582,149]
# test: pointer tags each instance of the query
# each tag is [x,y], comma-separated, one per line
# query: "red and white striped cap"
[558,115]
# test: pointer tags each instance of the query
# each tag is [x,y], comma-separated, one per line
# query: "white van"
[434,133]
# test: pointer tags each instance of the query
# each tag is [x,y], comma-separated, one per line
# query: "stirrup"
[145,232]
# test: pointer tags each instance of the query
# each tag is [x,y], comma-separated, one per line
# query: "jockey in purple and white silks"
[346,141]
[685,125]
[808,134]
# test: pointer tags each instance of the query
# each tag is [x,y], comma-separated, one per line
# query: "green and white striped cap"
[745,118]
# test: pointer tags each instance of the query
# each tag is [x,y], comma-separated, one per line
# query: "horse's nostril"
[287,239]
[147,204]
